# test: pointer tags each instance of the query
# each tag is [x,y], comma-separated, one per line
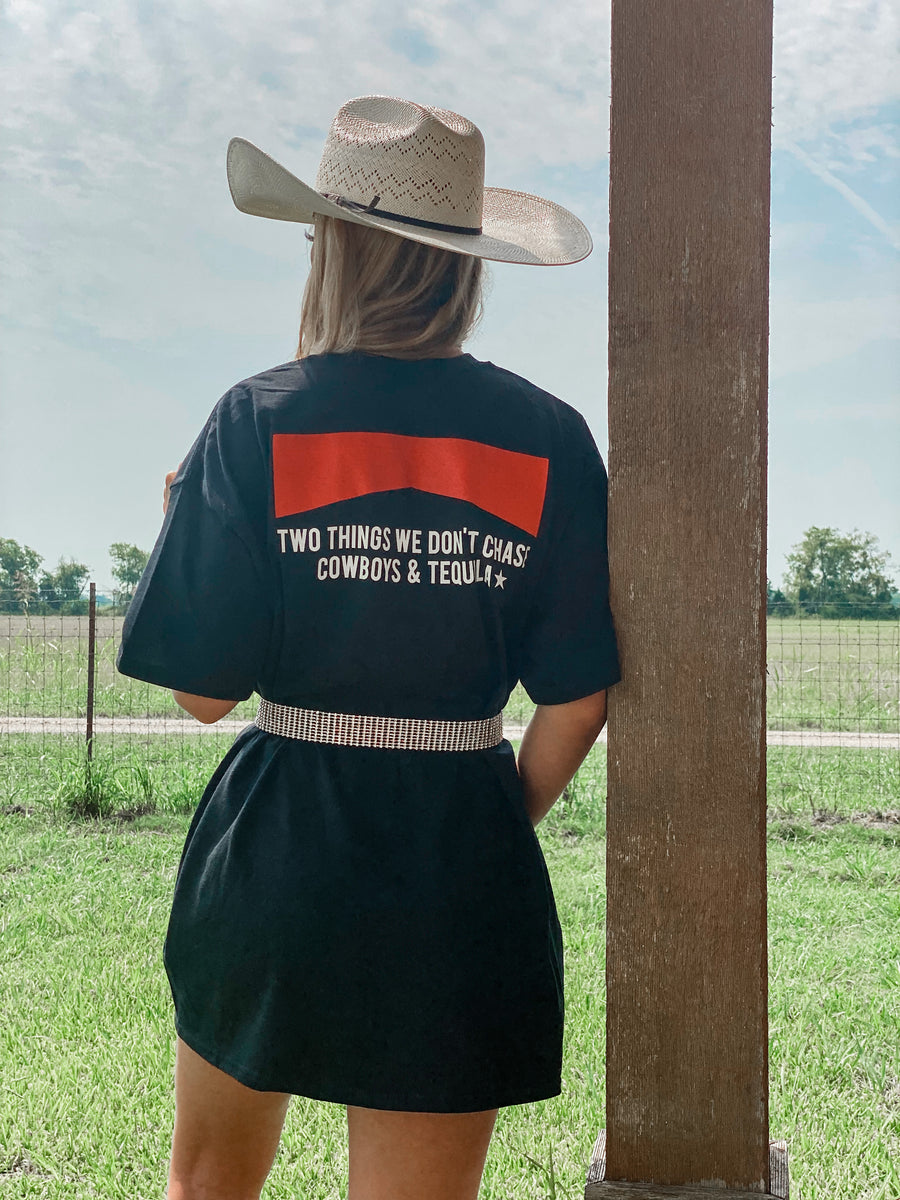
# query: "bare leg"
[417,1156]
[226,1135]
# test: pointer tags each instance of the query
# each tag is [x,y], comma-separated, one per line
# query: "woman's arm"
[204,708]
[554,746]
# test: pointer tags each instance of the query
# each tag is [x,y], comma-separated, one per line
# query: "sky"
[134,294]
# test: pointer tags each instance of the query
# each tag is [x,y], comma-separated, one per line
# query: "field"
[163,774]
[830,675]
[88,1049]
[43,672]
[835,675]
[822,675]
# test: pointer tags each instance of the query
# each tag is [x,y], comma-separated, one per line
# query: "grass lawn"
[168,774]
[87,1052]
[837,675]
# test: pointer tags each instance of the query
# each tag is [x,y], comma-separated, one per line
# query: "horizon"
[136,294]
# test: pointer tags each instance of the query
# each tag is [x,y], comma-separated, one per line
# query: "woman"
[380,537]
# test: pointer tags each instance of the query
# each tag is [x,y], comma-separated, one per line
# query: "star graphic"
[499,579]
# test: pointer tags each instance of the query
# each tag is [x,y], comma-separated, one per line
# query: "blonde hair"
[379,293]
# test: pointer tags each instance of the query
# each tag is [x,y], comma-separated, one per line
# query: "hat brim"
[516,226]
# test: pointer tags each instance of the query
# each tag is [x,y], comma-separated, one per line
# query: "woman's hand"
[171,475]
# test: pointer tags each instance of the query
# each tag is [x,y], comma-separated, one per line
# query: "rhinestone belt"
[387,733]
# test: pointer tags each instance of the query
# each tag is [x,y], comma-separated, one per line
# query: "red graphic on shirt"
[315,469]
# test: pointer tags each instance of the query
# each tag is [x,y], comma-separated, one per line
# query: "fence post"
[92,641]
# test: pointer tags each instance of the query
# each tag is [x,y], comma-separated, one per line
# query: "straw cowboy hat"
[416,171]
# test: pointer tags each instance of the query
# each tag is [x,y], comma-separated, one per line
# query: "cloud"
[170,81]
[833,62]
[884,138]
[115,120]
[891,232]
[122,254]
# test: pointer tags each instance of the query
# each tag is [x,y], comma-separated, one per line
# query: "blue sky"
[135,293]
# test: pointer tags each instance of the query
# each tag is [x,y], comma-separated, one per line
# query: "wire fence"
[70,725]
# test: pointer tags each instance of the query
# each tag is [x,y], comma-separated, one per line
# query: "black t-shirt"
[356,533]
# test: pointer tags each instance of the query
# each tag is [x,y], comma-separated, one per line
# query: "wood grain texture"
[687,1030]
[779,1172]
[598,1187]
[642,1191]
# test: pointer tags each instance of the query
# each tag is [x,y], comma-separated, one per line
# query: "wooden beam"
[599,1188]
[687,1029]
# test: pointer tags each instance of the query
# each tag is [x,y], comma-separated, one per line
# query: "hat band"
[380,212]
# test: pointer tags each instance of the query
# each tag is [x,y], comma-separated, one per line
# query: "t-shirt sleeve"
[570,649]
[200,618]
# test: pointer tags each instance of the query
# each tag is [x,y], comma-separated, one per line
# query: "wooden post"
[92,643]
[686,949]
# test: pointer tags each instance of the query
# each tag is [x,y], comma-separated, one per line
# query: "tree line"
[28,587]
[836,575]
[829,575]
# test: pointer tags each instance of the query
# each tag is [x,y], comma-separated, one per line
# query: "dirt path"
[178,727]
